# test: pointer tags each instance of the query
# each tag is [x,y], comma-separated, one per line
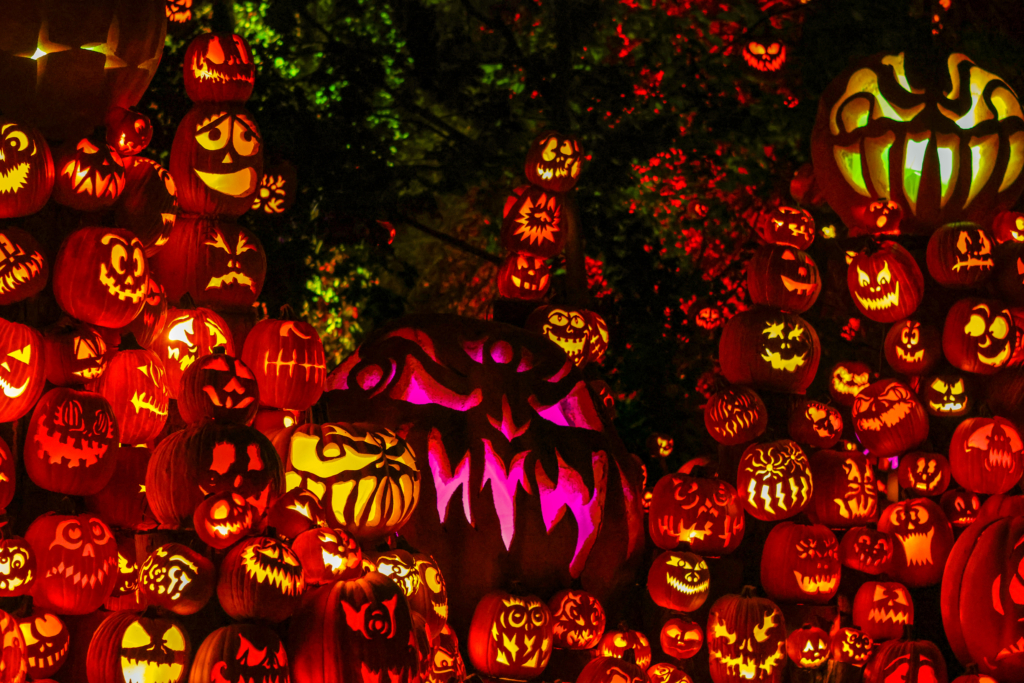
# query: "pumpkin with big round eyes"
[746,634]
[135,384]
[76,353]
[800,563]
[880,218]
[925,474]
[26,170]
[554,161]
[885,282]
[765,57]
[783,277]
[534,222]
[219,68]
[888,419]
[84,542]
[946,395]
[848,378]
[961,507]
[188,335]
[148,206]
[1008,226]
[510,636]
[851,645]
[986,454]
[815,424]
[978,336]
[809,647]
[46,643]
[912,348]
[219,387]
[679,581]
[769,349]
[578,619]
[24,269]
[217,159]
[131,647]
[222,519]
[882,609]
[565,326]
[922,537]
[960,255]
[681,637]
[260,578]
[90,175]
[866,550]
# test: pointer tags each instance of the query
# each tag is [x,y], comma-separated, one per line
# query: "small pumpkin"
[681,637]
[18,570]
[328,555]
[679,581]
[628,645]
[76,353]
[912,347]
[149,204]
[885,282]
[578,619]
[888,419]
[783,277]
[219,67]
[295,511]
[90,175]
[882,609]
[809,647]
[46,643]
[960,255]
[735,415]
[978,335]
[815,424]
[534,222]
[852,646]
[867,550]
[986,455]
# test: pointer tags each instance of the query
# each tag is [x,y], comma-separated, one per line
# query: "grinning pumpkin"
[681,638]
[534,222]
[815,424]
[883,609]
[765,57]
[961,507]
[912,661]
[77,562]
[852,646]
[912,348]
[554,161]
[148,206]
[219,387]
[800,563]
[46,643]
[75,353]
[223,519]
[783,277]
[746,639]
[960,255]
[241,652]
[260,578]
[888,419]
[577,619]
[847,379]
[776,480]
[809,647]
[130,647]
[24,268]
[703,513]
[90,175]
[978,336]
[523,277]
[925,474]
[328,555]
[510,636]
[886,283]
[769,349]
[18,570]
[679,581]
[946,395]
[923,539]
[288,360]
[866,550]
[219,68]
[986,455]
[735,415]
[22,369]
[135,384]
[26,170]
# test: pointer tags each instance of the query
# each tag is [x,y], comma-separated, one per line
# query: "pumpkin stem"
[971,669]
[220,350]
[186,303]
[748,592]
[129,343]
[286,312]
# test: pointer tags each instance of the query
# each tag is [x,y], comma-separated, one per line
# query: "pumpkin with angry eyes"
[886,283]
[129,647]
[17,567]
[912,348]
[800,563]
[703,513]
[177,578]
[224,518]
[946,395]
[679,581]
[328,555]
[250,653]
[735,415]
[77,562]
[888,419]
[851,645]
[909,661]
[783,277]
[848,378]
[769,349]
[681,637]
[960,255]
[534,222]
[219,68]
[961,507]
[260,578]
[815,424]
[776,480]
[554,161]
[26,170]
[978,336]
[883,609]
[22,369]
[76,353]
[626,645]
[922,537]
[577,619]
[296,511]
[218,387]
[746,639]
[925,474]
[808,646]
[24,269]
[764,57]
[986,454]
[90,175]
[566,327]
[188,335]
[866,550]
[46,643]
[148,206]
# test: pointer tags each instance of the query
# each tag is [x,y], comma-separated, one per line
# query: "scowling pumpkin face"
[946,395]
[578,619]
[888,419]
[679,581]
[219,68]
[764,57]
[90,176]
[746,639]
[554,161]
[883,609]
[886,284]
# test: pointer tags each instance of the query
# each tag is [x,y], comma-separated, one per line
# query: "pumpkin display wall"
[769,349]
[496,409]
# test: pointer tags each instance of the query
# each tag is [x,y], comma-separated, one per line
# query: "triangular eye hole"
[218,364]
[24,354]
[242,371]
[788,255]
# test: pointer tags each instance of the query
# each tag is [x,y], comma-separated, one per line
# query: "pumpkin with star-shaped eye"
[815,424]
[663,672]
[328,555]
[260,578]
[26,170]
[522,276]
[566,327]
[241,652]
[188,335]
[888,419]
[84,542]
[746,639]
[100,276]
[287,357]
[219,68]
[24,269]
[217,159]
[128,131]
[922,537]
[704,513]
[135,384]
[946,395]
[150,322]
[577,619]
[850,645]
[880,218]
[627,645]
[75,353]
[222,519]
[769,349]
[177,578]
[535,222]
[978,336]
[148,206]
[943,140]
[911,661]
[46,643]
[882,609]
[845,493]
[986,455]
[776,480]
[765,57]
[219,387]
[809,646]
[1008,226]
[295,511]
[679,581]
[602,669]
[681,638]
[924,474]
[218,262]
[847,379]
[960,255]
[783,277]
[554,161]
[130,647]
[961,507]
[90,175]
[18,569]
[22,369]
[68,440]
[885,282]
[789,227]
[800,563]
[912,348]
[511,636]
[866,550]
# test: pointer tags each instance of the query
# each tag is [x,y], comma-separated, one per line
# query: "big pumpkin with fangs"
[703,513]
[769,349]
[885,282]
[217,160]
[944,140]
[986,455]
[260,578]
[24,269]
[883,609]
[978,335]
[746,639]
[514,451]
[554,161]
[735,415]
[148,206]
[679,581]
[128,648]
[246,653]
[26,170]
[219,68]
[784,277]
[888,419]
[912,348]
[800,563]
[90,175]
[77,562]
[922,537]
[866,550]
[535,222]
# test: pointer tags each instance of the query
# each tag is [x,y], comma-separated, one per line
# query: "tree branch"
[460,244]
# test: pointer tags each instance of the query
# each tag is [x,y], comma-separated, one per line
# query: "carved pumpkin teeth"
[142,671]
[917,547]
[11,391]
[816,583]
[1011,649]
[687,589]
[882,616]
[14,179]
[882,303]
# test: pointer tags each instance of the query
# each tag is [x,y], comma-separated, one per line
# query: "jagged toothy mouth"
[20,273]
[817,583]
[1011,649]
[917,547]
[11,391]
[84,451]
[686,588]
[947,408]
[572,347]
[555,172]
[909,357]
[136,671]
[887,418]
[231,278]
[882,303]
[113,287]
[91,581]
[786,364]
[14,179]
[882,616]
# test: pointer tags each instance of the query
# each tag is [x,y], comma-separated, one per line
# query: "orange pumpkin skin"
[912,661]
[808,647]
[148,205]
[783,277]
[82,541]
[705,513]
[535,222]
[24,268]
[866,550]
[986,455]
[605,669]
[886,284]
[135,384]
[788,226]
[554,161]
[912,348]
[979,336]
[501,621]
[90,175]
[14,657]
[128,636]
[46,642]
[923,538]
[27,170]
[128,131]
[845,493]
[882,609]
[219,68]
[260,578]
[288,360]
[769,349]
[800,563]
[775,480]
[735,415]
[100,276]
[888,419]
[188,335]
[122,502]
[578,619]
[176,578]
[960,255]
[76,353]
[733,649]
[681,638]
[629,645]
[241,652]
[961,507]
[678,581]
[23,369]
[815,424]
[219,387]
[925,474]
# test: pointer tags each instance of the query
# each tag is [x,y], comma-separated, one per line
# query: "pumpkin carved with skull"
[24,269]
[986,454]
[866,550]
[912,348]
[534,222]
[26,170]
[77,562]
[219,68]
[978,336]
[90,175]
[703,513]
[775,479]
[800,563]
[129,647]
[260,578]
[554,161]
[46,643]
[925,474]
[241,652]
[577,619]
[735,415]
[100,276]
[681,638]
[815,424]
[960,255]
[922,537]
[769,349]
[888,419]
[746,639]
[679,581]
[177,578]
[885,282]
[883,609]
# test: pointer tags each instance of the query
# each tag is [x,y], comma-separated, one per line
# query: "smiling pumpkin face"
[565,326]
[784,277]
[554,161]
[769,349]
[912,348]
[679,581]
[978,336]
[886,284]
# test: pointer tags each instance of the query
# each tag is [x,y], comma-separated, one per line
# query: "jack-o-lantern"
[26,170]
[866,550]
[924,474]
[367,480]
[1010,271]
[708,318]
[880,218]
[135,384]
[961,507]
[660,445]
[703,513]
[1008,226]
[77,562]
[986,455]
[67,443]
[122,502]
[789,227]
[260,578]
[224,518]
[535,222]
[852,646]
[148,207]
[149,324]
[76,353]
[90,175]
[22,369]
[946,148]
[208,459]
[577,619]
[746,639]
[765,57]
[960,255]
[18,570]
[241,652]
[906,661]
[815,424]
[128,131]
[23,266]
[775,479]
[219,68]
[978,336]
[800,563]
[187,336]
[681,638]
[885,282]
[848,378]
[809,647]
[8,471]
[627,645]
[328,555]
[177,578]
[218,262]
[100,276]
[783,277]
[883,609]
[663,672]
[946,395]
[296,511]
[432,598]
[357,630]
[218,387]
[46,643]
[679,581]
[606,669]
[845,491]
[888,419]
[446,665]
[510,636]
[14,655]
[522,276]
[923,539]
[217,159]
[566,327]
[912,348]
[735,415]
[126,594]
[554,161]
[131,647]
[278,188]
[769,349]
[288,360]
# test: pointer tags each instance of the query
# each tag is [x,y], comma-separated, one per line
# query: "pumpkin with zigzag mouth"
[679,581]
[923,539]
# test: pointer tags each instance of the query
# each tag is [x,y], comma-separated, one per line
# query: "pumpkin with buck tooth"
[522,276]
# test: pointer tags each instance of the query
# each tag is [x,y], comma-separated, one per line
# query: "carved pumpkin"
[77,562]
[626,645]
[1008,226]
[577,618]
[886,283]
[90,175]
[522,276]
[911,661]
[296,511]
[888,419]
[960,255]
[222,519]
[961,507]
[770,350]
[566,327]
[13,656]
[148,206]
[188,335]
[746,639]
[241,652]
[808,647]
[946,395]
[880,218]
[776,480]
[431,600]
[135,384]
[660,445]
[764,57]
[848,378]
[912,348]
[46,643]
[534,222]
[883,609]
[22,369]
[126,594]
[679,581]
[18,569]
[788,226]
[177,578]
[446,665]
[279,185]
[606,669]
[328,555]
[149,324]
[978,336]
[923,539]
[704,513]
[681,637]
[218,387]
[288,360]
[130,647]
[852,646]
[122,502]
[783,277]
[815,424]
[7,475]
[663,672]
[554,161]
[925,474]
[24,269]
[510,636]
[800,563]
[26,170]
[866,550]
[260,578]
[219,68]
[75,353]
[945,153]
[986,455]
[735,415]
[128,131]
